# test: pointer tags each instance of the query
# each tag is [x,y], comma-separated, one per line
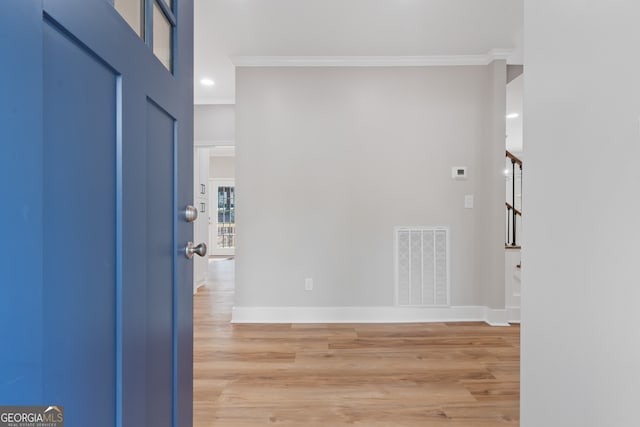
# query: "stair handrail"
[513,157]
[511,207]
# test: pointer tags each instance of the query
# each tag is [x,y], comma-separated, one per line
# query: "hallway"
[436,374]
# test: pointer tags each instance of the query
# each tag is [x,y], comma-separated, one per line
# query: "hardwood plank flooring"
[393,375]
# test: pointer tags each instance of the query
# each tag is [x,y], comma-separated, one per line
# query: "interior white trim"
[513,314]
[496,317]
[370,61]
[386,314]
[198,285]
[222,151]
[214,143]
[495,54]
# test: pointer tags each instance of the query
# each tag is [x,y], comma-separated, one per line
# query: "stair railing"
[513,213]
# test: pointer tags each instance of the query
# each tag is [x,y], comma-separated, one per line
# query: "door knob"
[200,249]
[190,213]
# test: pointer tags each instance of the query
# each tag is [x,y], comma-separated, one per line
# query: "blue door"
[95,170]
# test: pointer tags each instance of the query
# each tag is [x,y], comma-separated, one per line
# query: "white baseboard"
[369,315]
[199,285]
[496,317]
[513,314]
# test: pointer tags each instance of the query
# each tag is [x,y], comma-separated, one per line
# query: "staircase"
[513,231]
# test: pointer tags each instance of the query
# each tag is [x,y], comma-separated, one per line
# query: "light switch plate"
[468,201]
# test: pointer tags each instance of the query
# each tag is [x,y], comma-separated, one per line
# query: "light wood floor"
[442,374]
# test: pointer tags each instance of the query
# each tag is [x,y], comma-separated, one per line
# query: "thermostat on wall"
[459,172]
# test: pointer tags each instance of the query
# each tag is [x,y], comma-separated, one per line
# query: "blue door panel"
[95,293]
[134,237]
[80,107]
[21,318]
[160,267]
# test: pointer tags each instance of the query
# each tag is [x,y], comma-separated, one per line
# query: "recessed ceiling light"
[512,115]
[207,82]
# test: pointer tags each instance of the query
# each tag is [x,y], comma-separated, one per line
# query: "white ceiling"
[225,29]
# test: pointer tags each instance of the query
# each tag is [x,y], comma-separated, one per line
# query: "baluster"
[506,240]
[513,199]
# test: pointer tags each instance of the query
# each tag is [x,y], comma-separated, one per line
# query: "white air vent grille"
[422,266]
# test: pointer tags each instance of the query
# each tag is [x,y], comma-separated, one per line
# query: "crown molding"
[371,61]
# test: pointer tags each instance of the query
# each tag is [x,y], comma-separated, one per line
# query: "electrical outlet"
[308,284]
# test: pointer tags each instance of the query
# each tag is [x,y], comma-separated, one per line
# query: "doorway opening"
[514,155]
[222,217]
[214,194]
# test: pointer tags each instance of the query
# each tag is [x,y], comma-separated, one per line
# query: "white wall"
[222,167]
[213,123]
[512,283]
[329,160]
[489,241]
[580,316]
[201,224]
[514,125]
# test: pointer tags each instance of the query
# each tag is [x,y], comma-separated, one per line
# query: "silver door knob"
[190,213]
[200,249]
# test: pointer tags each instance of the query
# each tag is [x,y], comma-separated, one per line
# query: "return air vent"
[422,266]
